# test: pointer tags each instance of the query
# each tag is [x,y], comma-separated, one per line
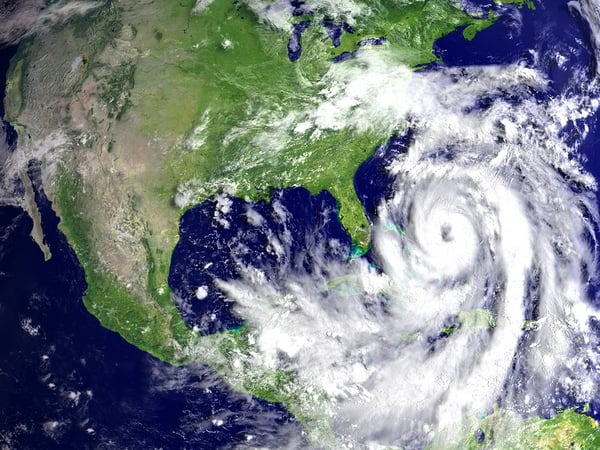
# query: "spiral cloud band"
[484,256]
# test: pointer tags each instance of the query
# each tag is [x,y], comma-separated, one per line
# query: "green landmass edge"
[103,286]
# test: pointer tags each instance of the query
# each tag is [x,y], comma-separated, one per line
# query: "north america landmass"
[139,111]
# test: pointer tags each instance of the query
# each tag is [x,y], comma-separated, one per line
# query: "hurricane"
[477,290]
[302,224]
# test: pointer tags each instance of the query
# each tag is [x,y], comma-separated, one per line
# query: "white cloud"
[478,225]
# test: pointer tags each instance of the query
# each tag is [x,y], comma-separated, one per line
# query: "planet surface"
[300,224]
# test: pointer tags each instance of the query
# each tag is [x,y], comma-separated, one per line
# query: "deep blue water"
[295,42]
[530,37]
[123,397]
[130,399]
[215,245]
[332,31]
[66,382]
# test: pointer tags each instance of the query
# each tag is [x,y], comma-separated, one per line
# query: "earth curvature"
[299,224]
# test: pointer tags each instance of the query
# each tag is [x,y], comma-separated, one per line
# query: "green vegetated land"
[222,81]
[154,325]
[503,430]
[251,90]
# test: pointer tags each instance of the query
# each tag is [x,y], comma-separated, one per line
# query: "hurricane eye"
[446,233]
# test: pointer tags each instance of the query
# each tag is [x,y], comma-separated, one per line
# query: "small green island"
[157,106]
